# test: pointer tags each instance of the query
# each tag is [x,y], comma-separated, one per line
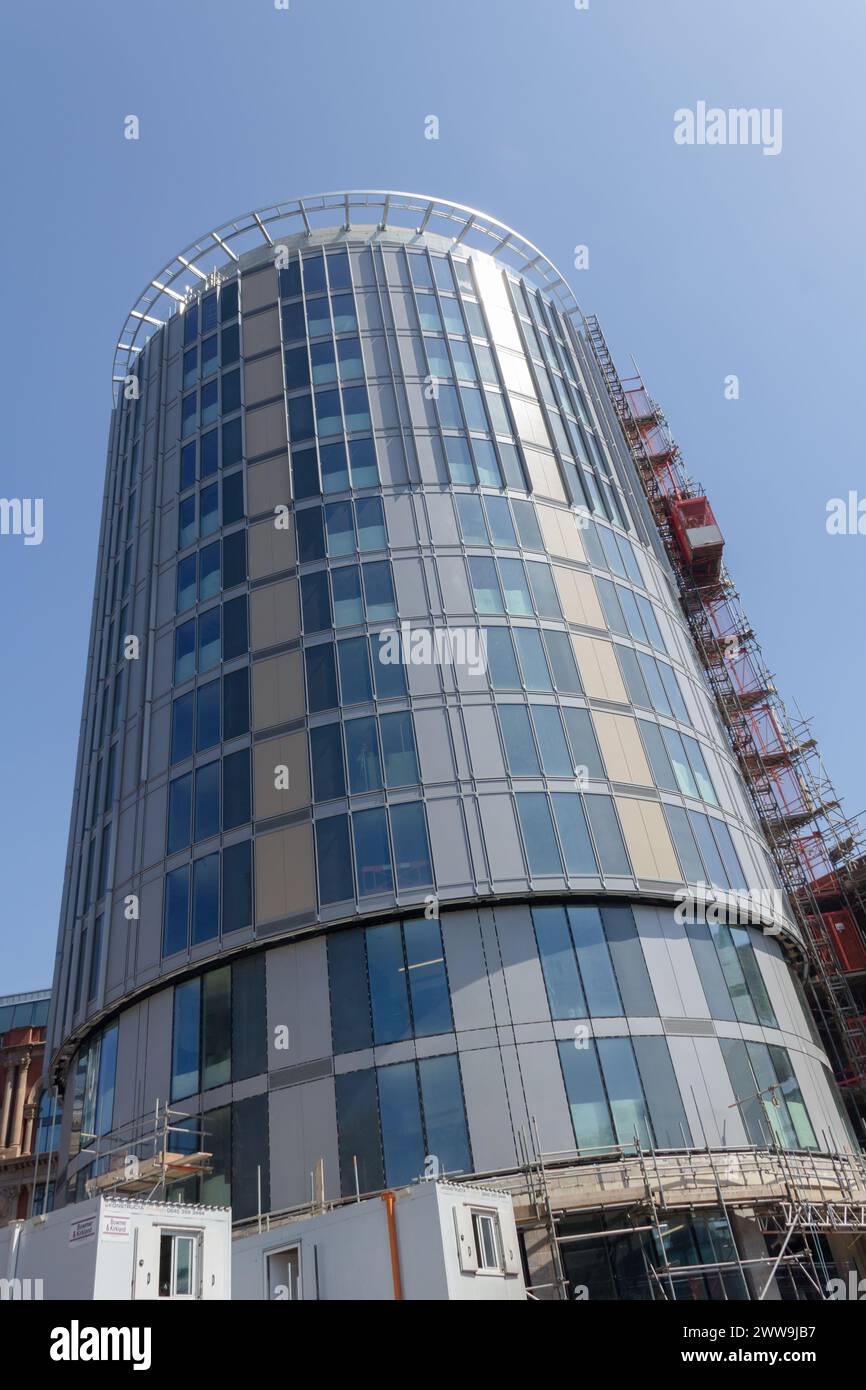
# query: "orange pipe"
[389,1199]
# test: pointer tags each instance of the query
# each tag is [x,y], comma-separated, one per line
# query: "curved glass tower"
[396,757]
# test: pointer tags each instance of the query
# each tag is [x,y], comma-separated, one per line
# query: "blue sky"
[703,261]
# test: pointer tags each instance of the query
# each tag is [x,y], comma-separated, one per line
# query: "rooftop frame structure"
[192,269]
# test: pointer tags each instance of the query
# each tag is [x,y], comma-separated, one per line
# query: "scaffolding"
[146,1157]
[819,852]
[789,1195]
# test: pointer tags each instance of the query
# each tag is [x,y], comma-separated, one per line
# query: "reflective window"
[538,834]
[362,456]
[388,984]
[584,747]
[186,523]
[361,1167]
[179,813]
[558,963]
[411,848]
[685,844]
[181,727]
[555,757]
[315,602]
[237,807]
[334,860]
[185,1039]
[378,591]
[793,1098]
[400,1114]
[235,629]
[499,520]
[590,1117]
[209,506]
[186,586]
[321,677]
[398,749]
[175,922]
[216,1009]
[532,660]
[354,660]
[501,661]
[627,957]
[625,1093]
[372,853]
[596,968]
[236,703]
[573,833]
[207,719]
[470,516]
[485,585]
[520,753]
[184,652]
[326,756]
[205,899]
[207,801]
[371,524]
[209,639]
[515,588]
[237,887]
[444,1113]
[388,674]
[351,1026]
[560,654]
[348,604]
[362,755]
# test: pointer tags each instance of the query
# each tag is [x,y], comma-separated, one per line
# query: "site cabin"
[434,1241]
[119,1248]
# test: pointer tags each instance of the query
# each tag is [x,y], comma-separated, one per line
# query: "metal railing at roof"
[191,268]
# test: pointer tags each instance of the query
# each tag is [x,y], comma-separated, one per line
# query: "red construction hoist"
[817,850]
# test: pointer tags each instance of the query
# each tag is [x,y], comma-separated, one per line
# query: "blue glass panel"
[209,639]
[315,602]
[444,1113]
[175,926]
[590,1115]
[428,983]
[185,1039]
[558,963]
[535,673]
[362,755]
[181,727]
[335,468]
[179,812]
[365,470]
[372,854]
[388,993]
[411,849]
[348,604]
[400,1112]
[205,899]
[355,682]
[321,677]
[207,801]
[334,860]
[594,963]
[207,720]
[326,756]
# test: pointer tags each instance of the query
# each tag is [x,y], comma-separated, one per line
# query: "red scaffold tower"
[818,851]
